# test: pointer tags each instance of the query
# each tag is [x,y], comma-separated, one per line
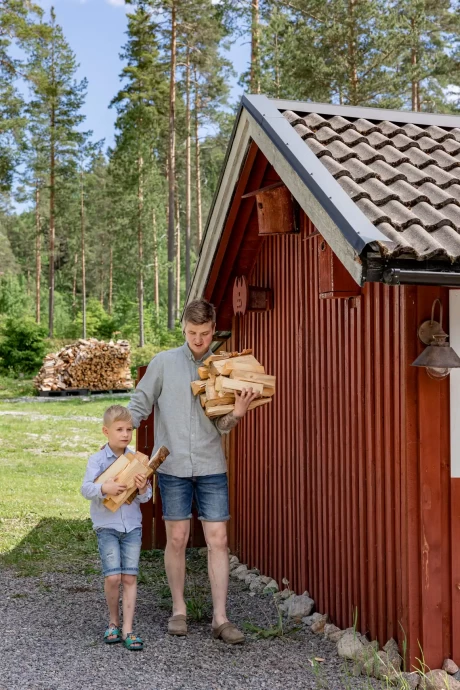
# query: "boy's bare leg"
[218,568]
[129,602]
[177,533]
[112,593]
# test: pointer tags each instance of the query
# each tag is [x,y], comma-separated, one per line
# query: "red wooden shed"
[347,222]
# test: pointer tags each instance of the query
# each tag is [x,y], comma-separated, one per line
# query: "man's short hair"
[198,312]
[116,413]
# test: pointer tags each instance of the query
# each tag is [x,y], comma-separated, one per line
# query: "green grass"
[16,388]
[43,518]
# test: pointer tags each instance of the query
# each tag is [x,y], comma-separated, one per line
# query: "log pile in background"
[92,364]
[226,373]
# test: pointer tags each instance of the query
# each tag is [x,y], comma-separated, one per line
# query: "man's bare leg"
[177,533]
[218,568]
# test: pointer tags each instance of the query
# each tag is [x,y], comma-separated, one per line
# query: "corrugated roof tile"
[451,146]
[359,171]
[413,131]
[438,197]
[440,177]
[386,173]
[445,160]
[424,243]
[418,158]
[353,189]
[335,168]
[389,128]
[364,126]
[399,215]
[449,239]
[374,213]
[403,143]
[415,176]
[452,212]
[379,140]
[407,194]
[406,180]
[379,192]
[317,148]
[429,217]
[315,121]
[392,156]
[438,133]
[292,117]
[339,124]
[325,135]
[351,137]
[428,145]
[396,238]
[303,131]
[341,151]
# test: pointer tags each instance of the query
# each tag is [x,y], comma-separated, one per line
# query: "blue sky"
[95,30]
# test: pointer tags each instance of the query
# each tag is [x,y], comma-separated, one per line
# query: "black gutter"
[405,276]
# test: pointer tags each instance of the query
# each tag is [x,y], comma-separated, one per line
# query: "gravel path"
[51,640]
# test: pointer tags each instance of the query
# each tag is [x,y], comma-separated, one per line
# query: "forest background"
[102,241]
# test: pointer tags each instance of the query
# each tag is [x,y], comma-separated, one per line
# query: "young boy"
[118,533]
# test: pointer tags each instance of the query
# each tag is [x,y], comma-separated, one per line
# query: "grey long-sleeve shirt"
[181,425]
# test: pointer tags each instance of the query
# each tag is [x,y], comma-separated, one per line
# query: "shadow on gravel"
[53,544]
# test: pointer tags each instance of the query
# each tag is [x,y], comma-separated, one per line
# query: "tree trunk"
[140,292]
[51,228]
[255,69]
[83,257]
[110,280]
[178,259]
[352,70]
[188,195]
[156,276]
[415,83]
[38,255]
[172,170]
[74,287]
[199,222]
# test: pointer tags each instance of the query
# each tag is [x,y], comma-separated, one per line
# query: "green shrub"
[22,347]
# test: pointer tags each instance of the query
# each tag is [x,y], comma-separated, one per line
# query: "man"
[196,467]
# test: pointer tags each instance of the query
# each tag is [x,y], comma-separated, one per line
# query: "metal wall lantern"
[438,358]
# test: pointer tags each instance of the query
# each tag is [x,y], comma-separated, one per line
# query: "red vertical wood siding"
[342,484]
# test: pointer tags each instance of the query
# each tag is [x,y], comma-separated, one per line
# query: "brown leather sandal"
[229,633]
[177,625]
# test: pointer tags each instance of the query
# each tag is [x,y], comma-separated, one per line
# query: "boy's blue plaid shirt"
[127,517]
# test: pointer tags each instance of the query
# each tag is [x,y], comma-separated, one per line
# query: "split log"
[198,387]
[124,469]
[242,375]
[227,384]
[220,410]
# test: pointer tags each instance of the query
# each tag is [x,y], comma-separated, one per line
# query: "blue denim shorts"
[119,551]
[210,493]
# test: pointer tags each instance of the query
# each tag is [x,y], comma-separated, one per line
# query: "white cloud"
[116,3]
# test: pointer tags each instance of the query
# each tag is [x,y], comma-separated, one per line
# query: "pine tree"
[57,99]
[139,105]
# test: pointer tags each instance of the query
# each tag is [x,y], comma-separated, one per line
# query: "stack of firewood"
[227,372]
[92,364]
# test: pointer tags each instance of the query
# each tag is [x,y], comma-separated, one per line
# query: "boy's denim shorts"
[210,493]
[119,551]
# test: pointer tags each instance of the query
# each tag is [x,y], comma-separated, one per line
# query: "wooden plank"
[203,372]
[235,385]
[220,410]
[242,375]
[228,399]
[198,387]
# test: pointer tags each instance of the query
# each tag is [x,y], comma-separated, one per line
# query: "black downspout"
[403,276]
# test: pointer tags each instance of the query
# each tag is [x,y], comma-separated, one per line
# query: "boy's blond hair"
[116,413]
